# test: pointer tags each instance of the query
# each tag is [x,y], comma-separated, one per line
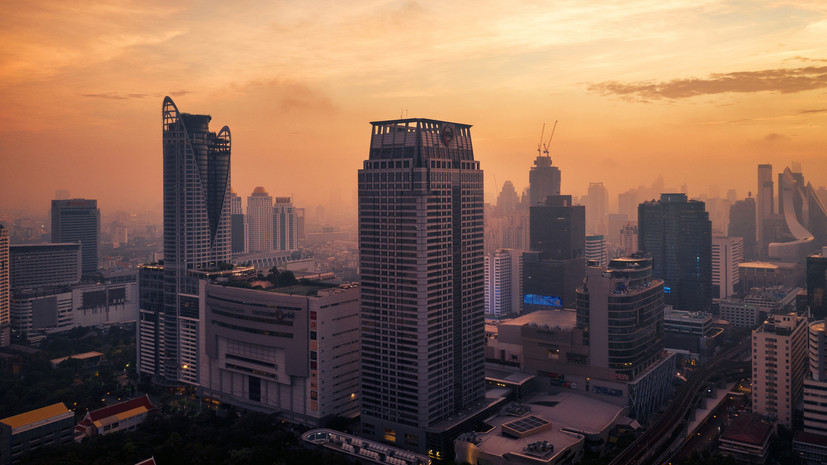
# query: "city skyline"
[639,89]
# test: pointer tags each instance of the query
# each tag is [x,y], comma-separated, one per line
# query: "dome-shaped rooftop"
[259,190]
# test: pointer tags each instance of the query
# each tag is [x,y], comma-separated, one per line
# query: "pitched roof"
[123,409]
[37,415]
[748,429]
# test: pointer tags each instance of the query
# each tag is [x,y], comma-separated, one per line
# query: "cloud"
[120,96]
[783,80]
[776,137]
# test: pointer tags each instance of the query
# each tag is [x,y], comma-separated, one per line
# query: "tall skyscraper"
[196,199]
[765,205]
[422,271]
[804,218]
[78,220]
[597,208]
[727,254]
[238,225]
[543,179]
[555,266]
[507,200]
[779,350]
[677,233]
[817,284]
[285,226]
[4,287]
[742,224]
[260,221]
[504,283]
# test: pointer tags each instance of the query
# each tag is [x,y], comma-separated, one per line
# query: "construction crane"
[545,147]
[540,144]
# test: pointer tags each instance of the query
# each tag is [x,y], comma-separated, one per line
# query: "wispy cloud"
[783,80]
[120,96]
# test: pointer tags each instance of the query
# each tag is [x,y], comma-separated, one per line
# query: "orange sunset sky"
[698,91]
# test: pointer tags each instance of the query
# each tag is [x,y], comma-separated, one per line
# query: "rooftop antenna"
[545,147]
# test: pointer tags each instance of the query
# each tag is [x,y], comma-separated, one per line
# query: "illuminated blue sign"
[667,290]
[544,300]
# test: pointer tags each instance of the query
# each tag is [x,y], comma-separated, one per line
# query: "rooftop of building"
[557,319]
[44,246]
[811,438]
[555,420]
[120,411]
[304,287]
[671,313]
[42,414]
[782,325]
[510,377]
[748,428]
[83,356]
[769,265]
[404,121]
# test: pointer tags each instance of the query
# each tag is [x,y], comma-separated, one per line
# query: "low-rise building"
[44,427]
[543,429]
[291,351]
[123,416]
[747,438]
[88,359]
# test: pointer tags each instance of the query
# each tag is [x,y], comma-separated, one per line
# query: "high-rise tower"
[543,179]
[765,205]
[78,220]
[742,224]
[4,287]
[421,257]
[260,220]
[597,207]
[677,233]
[285,227]
[196,239]
[238,225]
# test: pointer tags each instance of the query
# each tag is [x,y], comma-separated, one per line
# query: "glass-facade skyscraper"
[677,233]
[421,258]
[196,238]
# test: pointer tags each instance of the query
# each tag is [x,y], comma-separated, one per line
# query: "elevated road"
[655,441]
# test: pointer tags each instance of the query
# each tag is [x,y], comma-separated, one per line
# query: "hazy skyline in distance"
[698,91]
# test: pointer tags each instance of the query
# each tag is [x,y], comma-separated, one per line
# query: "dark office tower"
[677,233]
[196,238]
[764,206]
[78,220]
[543,179]
[422,271]
[742,224]
[555,266]
[5,335]
[238,225]
[817,284]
